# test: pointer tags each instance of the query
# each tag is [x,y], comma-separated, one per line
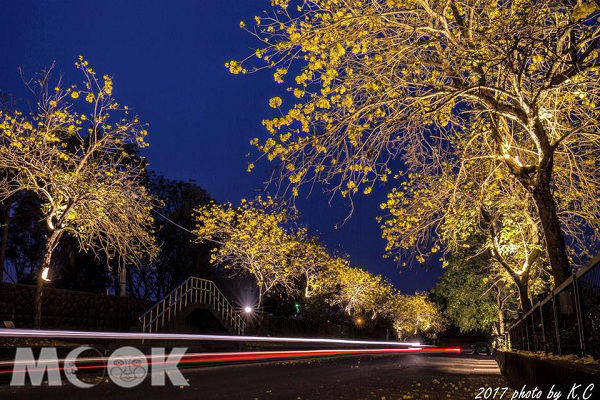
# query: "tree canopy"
[376,81]
[259,239]
[478,212]
[251,239]
[474,297]
[80,165]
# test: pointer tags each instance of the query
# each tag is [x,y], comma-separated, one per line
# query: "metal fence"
[565,322]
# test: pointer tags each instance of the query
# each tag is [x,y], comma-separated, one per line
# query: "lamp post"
[248,310]
[359,323]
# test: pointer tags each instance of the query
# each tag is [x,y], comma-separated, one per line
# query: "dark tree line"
[179,257]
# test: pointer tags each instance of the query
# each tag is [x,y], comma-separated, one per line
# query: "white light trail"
[31,333]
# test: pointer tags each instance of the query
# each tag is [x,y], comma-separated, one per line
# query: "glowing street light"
[248,309]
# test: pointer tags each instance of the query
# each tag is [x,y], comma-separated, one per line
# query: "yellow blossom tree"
[415,314]
[252,239]
[479,211]
[354,290]
[380,80]
[255,238]
[314,260]
[80,166]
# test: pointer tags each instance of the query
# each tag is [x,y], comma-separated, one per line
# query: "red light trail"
[232,357]
[6,367]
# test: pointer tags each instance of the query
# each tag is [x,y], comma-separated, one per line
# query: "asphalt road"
[348,377]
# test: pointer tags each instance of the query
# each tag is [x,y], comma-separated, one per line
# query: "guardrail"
[192,290]
[565,322]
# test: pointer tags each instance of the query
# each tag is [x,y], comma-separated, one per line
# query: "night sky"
[167,59]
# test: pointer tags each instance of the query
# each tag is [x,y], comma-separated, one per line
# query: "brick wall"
[66,309]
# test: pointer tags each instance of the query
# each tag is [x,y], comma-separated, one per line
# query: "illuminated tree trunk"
[498,329]
[39,287]
[307,287]
[500,322]
[537,181]
[5,222]
[555,241]
[260,298]
[523,295]
[521,281]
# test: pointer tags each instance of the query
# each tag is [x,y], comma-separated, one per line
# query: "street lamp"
[248,309]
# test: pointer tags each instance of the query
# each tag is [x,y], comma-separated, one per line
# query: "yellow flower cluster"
[108,85]
[275,102]
[235,68]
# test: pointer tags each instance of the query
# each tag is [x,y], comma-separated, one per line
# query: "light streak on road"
[272,355]
[215,358]
[6,367]
[34,333]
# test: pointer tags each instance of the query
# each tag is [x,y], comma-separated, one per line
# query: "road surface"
[346,377]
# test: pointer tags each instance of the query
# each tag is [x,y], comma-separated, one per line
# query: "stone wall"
[66,309]
[535,371]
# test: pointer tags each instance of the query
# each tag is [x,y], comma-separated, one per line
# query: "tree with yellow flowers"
[415,314]
[255,238]
[479,211]
[400,79]
[354,290]
[314,260]
[80,167]
[252,239]
[357,292]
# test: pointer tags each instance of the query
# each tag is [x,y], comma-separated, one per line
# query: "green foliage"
[466,291]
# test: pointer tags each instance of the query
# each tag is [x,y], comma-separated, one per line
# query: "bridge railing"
[565,322]
[192,290]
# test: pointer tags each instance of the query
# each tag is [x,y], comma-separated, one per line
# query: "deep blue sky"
[167,59]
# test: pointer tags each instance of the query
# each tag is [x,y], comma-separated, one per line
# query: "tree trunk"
[495,335]
[555,241]
[498,329]
[5,222]
[307,285]
[123,281]
[500,323]
[135,289]
[523,296]
[39,287]
[260,299]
